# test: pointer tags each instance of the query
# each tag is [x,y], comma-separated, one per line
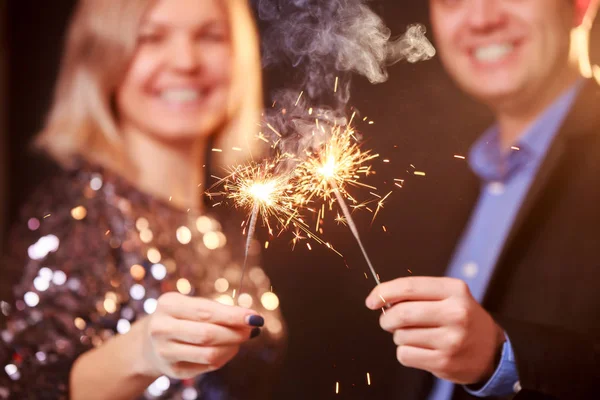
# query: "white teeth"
[493,52]
[181,95]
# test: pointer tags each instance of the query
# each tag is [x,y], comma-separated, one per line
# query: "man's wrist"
[500,339]
[502,381]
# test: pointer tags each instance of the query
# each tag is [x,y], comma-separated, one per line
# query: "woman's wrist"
[139,356]
[118,369]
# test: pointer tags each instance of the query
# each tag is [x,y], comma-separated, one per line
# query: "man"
[517,310]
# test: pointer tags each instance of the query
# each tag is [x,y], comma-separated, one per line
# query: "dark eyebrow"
[158,25]
[150,25]
[214,23]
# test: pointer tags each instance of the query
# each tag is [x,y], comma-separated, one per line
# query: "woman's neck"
[168,171]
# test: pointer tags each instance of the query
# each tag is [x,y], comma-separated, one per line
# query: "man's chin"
[495,96]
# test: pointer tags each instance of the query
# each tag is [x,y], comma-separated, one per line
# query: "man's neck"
[513,120]
[168,171]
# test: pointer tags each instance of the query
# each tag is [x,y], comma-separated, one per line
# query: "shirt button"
[496,188]
[517,387]
[470,270]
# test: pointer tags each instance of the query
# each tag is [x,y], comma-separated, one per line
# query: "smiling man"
[517,311]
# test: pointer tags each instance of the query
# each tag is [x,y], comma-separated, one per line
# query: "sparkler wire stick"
[353,228]
[251,230]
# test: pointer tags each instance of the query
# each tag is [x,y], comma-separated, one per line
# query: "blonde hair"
[100,44]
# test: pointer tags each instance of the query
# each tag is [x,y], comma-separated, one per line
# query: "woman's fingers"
[205,334]
[208,311]
[211,357]
[194,335]
[185,370]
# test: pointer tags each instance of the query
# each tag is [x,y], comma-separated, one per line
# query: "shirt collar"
[491,163]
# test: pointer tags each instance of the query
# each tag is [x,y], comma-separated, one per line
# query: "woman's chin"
[177,137]
[181,129]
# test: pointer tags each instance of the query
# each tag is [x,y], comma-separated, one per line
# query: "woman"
[126,286]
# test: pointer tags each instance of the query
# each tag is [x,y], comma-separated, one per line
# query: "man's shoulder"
[584,116]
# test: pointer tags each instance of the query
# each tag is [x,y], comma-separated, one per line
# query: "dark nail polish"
[255,332]
[256,321]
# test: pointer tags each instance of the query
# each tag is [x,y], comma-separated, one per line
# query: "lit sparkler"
[339,163]
[259,188]
[321,175]
[326,173]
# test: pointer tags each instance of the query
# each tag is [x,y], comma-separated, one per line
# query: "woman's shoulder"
[60,226]
[66,203]
[57,198]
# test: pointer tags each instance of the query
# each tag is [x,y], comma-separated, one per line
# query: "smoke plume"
[324,42]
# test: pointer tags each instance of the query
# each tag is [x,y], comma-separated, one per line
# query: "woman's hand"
[187,336]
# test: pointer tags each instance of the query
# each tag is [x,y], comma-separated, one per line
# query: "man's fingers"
[205,334]
[412,314]
[416,357]
[424,338]
[414,288]
[208,311]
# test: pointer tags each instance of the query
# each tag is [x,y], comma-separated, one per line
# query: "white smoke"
[324,42]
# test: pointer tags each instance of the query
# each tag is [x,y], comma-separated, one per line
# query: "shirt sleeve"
[505,380]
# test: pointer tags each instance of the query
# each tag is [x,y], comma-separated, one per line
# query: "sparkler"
[259,188]
[256,187]
[339,162]
[354,230]
[322,175]
[326,173]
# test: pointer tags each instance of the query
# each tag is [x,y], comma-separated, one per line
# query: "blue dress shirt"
[506,177]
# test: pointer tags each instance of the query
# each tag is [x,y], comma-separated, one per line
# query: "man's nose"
[486,15]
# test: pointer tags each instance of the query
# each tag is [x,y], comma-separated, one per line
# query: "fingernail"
[256,321]
[255,332]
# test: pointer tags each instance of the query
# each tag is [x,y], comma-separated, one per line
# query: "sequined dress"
[95,254]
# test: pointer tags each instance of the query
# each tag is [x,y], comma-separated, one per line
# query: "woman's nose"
[184,55]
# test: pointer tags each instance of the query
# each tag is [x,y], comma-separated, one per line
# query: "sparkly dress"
[94,254]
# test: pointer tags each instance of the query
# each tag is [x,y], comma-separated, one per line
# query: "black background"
[420,119]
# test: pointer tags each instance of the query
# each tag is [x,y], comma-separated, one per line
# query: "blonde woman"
[127,288]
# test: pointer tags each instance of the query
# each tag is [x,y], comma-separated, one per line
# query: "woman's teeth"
[181,95]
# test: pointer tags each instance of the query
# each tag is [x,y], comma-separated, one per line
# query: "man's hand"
[439,327]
